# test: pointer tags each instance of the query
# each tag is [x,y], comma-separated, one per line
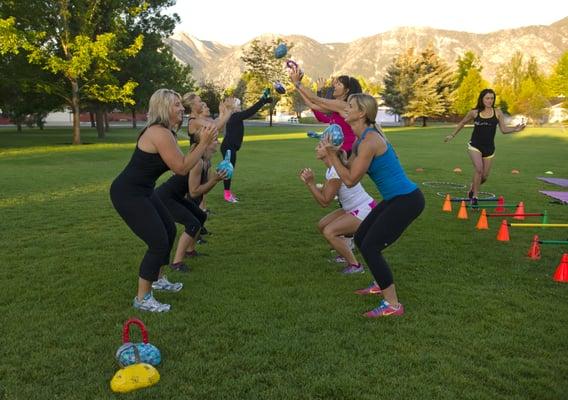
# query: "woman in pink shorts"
[356,204]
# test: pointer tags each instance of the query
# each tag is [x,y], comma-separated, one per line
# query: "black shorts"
[486,151]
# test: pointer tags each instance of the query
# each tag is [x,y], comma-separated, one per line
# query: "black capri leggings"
[227,182]
[184,212]
[382,227]
[149,219]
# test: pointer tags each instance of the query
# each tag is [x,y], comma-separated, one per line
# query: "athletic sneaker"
[350,242]
[384,310]
[180,267]
[231,199]
[373,288]
[474,201]
[192,253]
[164,284]
[149,303]
[201,241]
[337,259]
[353,269]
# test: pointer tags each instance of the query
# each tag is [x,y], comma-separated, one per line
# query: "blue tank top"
[387,173]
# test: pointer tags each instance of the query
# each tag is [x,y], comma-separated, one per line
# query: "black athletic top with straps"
[140,174]
[483,135]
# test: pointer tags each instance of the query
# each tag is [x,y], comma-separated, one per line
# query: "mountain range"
[370,56]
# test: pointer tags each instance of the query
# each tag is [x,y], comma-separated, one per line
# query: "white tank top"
[349,197]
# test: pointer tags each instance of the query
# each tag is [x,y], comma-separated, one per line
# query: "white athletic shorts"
[363,210]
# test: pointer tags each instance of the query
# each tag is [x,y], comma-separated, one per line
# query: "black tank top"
[204,179]
[484,129]
[142,171]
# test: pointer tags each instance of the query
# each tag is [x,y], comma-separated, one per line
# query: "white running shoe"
[149,303]
[164,284]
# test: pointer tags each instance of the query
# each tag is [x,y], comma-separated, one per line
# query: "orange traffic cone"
[520,210]
[561,274]
[534,251]
[462,213]
[447,207]
[503,234]
[500,205]
[482,222]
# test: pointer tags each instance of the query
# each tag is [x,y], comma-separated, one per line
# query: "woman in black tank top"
[481,147]
[132,192]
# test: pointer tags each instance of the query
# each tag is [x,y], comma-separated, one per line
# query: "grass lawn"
[264,315]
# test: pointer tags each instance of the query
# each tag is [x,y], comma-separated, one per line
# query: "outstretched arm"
[507,129]
[326,105]
[468,117]
[249,112]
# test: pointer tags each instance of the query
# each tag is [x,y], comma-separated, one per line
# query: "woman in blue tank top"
[481,146]
[402,201]
[132,192]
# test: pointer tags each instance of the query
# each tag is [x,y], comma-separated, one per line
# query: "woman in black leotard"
[132,191]
[482,143]
[233,138]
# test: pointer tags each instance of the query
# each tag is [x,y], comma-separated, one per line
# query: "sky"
[237,22]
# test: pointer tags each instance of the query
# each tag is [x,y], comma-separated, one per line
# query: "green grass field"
[264,315]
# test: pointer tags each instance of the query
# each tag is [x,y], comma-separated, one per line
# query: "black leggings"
[184,212]
[382,227]
[149,219]
[227,182]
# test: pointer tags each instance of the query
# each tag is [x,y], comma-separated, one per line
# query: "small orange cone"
[457,170]
[462,213]
[482,222]
[500,205]
[503,234]
[515,171]
[520,210]
[534,251]
[561,274]
[447,207]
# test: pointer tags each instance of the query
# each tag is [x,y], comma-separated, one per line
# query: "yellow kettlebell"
[135,376]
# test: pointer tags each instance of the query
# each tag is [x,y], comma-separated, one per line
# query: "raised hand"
[208,133]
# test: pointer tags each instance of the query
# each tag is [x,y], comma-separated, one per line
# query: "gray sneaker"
[164,284]
[149,303]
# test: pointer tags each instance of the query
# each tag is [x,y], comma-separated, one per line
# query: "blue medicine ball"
[335,134]
[280,50]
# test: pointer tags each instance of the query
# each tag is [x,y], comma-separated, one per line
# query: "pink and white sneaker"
[384,310]
[373,288]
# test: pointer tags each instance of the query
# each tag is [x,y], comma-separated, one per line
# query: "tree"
[465,63]
[20,98]
[399,82]
[508,81]
[263,69]
[373,88]
[426,101]
[418,86]
[523,88]
[559,79]
[154,66]
[465,97]
[65,38]
[211,94]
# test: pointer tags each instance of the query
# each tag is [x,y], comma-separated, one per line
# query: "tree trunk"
[92,118]
[134,118]
[107,126]
[271,109]
[76,112]
[19,127]
[99,117]
[424,121]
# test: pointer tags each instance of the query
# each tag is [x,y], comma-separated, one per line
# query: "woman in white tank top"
[355,206]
